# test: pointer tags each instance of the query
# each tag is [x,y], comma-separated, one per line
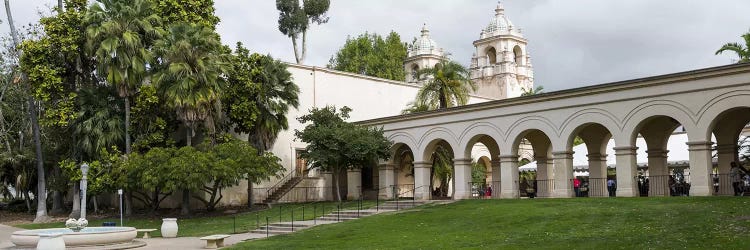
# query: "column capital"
[463,161]
[509,158]
[387,166]
[699,145]
[562,155]
[354,170]
[539,158]
[625,150]
[422,164]
[597,157]
[657,153]
[726,148]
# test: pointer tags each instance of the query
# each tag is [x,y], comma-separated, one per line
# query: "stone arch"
[491,53]
[517,131]
[431,137]
[715,108]
[651,109]
[518,56]
[595,137]
[403,138]
[414,72]
[589,116]
[484,133]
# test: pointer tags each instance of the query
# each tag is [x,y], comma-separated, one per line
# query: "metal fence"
[663,185]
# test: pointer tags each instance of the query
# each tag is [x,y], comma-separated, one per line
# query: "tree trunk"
[127,125]
[57,197]
[96,204]
[189,136]
[60,5]
[128,203]
[304,47]
[28,201]
[336,182]
[249,193]
[185,202]
[296,50]
[76,211]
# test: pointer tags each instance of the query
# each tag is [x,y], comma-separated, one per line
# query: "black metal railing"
[663,185]
[722,184]
[279,184]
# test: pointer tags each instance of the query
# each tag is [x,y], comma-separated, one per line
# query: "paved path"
[5,232]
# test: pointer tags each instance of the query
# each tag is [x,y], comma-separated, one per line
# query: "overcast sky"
[573,43]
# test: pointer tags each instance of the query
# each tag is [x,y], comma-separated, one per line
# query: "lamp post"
[84,179]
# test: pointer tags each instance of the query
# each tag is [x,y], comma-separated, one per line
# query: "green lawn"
[589,223]
[226,224]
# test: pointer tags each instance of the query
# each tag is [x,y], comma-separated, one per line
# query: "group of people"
[738,174]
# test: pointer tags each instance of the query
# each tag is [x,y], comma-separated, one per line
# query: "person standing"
[736,176]
[577,187]
[611,187]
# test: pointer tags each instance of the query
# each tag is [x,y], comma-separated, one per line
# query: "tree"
[259,95]
[98,125]
[336,145]
[294,20]
[442,168]
[191,80]
[742,51]
[369,54]
[152,122]
[41,209]
[120,34]
[447,85]
[231,161]
[532,91]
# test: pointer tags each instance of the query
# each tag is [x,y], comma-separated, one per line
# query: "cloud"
[573,43]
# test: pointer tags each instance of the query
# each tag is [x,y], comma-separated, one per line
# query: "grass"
[227,224]
[584,223]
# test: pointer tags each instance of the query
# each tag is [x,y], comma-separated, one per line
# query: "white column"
[423,190]
[496,178]
[462,177]
[727,153]
[700,168]
[354,184]
[563,164]
[509,174]
[542,176]
[597,175]
[386,177]
[658,172]
[626,168]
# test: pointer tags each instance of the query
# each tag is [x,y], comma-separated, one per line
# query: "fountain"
[78,234]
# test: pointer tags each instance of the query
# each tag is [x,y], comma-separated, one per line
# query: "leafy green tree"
[446,85]
[98,125]
[415,107]
[120,32]
[478,172]
[532,91]
[152,122]
[294,20]
[370,54]
[741,50]
[442,168]
[195,11]
[336,145]
[191,82]
[258,98]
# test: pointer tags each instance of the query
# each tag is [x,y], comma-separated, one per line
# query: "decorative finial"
[499,9]
[425,31]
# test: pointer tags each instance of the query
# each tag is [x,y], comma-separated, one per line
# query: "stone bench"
[145,232]
[215,241]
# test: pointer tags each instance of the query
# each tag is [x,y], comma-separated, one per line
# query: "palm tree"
[191,80]
[277,93]
[532,91]
[120,34]
[98,123]
[742,51]
[447,85]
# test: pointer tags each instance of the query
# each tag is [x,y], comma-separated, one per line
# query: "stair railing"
[279,184]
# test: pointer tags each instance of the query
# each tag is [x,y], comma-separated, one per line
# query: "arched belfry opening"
[491,55]
[518,55]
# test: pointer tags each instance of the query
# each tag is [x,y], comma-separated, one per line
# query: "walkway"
[5,232]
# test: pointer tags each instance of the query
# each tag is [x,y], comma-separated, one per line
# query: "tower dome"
[424,45]
[500,24]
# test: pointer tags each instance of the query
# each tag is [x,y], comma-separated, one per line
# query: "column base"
[510,194]
[563,193]
[626,192]
[462,195]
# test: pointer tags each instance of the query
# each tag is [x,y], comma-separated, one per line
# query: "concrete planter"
[51,242]
[169,228]
[90,236]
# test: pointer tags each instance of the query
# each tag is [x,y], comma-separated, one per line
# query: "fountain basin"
[90,236]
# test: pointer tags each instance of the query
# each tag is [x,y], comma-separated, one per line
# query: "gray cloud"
[573,43]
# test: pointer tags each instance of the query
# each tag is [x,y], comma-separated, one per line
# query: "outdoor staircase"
[282,190]
[336,216]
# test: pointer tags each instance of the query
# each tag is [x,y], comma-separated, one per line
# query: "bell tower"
[422,53]
[501,65]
